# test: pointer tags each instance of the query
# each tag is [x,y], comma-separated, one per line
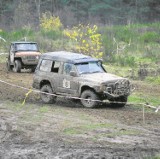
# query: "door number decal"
[66,84]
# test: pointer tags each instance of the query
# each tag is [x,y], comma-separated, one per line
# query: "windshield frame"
[89,67]
[26,47]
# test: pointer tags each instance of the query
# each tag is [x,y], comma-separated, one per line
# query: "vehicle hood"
[101,78]
[27,53]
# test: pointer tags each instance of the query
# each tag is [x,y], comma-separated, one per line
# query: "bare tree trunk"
[38,6]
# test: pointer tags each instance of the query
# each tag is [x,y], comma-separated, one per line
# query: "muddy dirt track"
[66,130]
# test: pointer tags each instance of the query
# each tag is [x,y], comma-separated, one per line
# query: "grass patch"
[155,157]
[139,98]
[85,128]
[98,131]
[154,80]
[135,99]
[34,118]
[124,45]
[121,133]
[3,58]
[118,70]
[43,109]
[14,106]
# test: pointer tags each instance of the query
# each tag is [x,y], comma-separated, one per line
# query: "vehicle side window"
[55,66]
[46,65]
[67,68]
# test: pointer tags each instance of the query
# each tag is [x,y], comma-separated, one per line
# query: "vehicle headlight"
[24,57]
[102,87]
[37,57]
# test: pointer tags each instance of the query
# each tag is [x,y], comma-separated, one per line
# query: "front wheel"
[119,101]
[47,98]
[89,99]
[33,69]
[17,66]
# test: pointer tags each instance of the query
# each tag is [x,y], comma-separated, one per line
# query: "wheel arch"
[86,87]
[20,59]
[45,82]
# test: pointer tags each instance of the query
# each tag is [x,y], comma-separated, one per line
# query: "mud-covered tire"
[8,66]
[17,66]
[118,102]
[89,94]
[46,98]
[33,69]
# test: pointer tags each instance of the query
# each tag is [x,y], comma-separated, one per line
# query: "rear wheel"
[47,98]
[119,101]
[17,66]
[89,99]
[8,66]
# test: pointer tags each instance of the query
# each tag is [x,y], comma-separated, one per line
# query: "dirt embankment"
[67,130]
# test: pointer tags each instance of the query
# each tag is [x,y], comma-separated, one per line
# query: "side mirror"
[100,60]
[73,74]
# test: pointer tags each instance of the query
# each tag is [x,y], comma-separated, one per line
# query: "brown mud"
[66,130]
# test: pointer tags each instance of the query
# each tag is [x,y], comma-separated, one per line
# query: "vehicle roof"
[23,42]
[68,57]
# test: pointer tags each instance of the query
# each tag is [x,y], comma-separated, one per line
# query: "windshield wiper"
[96,72]
[84,72]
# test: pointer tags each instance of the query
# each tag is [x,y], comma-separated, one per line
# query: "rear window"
[49,66]
[46,65]
[55,66]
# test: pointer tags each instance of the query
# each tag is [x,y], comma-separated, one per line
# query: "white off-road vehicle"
[78,76]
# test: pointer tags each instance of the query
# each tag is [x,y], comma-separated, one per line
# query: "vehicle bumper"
[29,62]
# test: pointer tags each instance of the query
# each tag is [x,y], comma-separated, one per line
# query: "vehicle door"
[50,70]
[68,84]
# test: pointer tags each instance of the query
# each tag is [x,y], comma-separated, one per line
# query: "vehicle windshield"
[27,47]
[89,67]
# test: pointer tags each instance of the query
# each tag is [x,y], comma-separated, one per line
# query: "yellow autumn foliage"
[50,22]
[87,40]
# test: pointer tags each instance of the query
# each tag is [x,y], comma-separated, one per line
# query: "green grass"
[140,41]
[154,80]
[117,70]
[14,106]
[121,133]
[155,157]
[141,99]
[3,58]
[43,109]
[135,99]
[86,128]
[98,131]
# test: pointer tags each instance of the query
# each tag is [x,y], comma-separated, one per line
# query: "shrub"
[50,22]
[150,37]
[86,39]
[51,26]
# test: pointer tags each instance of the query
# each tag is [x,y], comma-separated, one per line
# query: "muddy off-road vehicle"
[78,77]
[23,55]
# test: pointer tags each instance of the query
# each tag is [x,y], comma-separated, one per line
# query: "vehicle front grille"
[121,87]
[31,58]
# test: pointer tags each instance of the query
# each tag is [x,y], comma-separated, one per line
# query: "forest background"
[124,33]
